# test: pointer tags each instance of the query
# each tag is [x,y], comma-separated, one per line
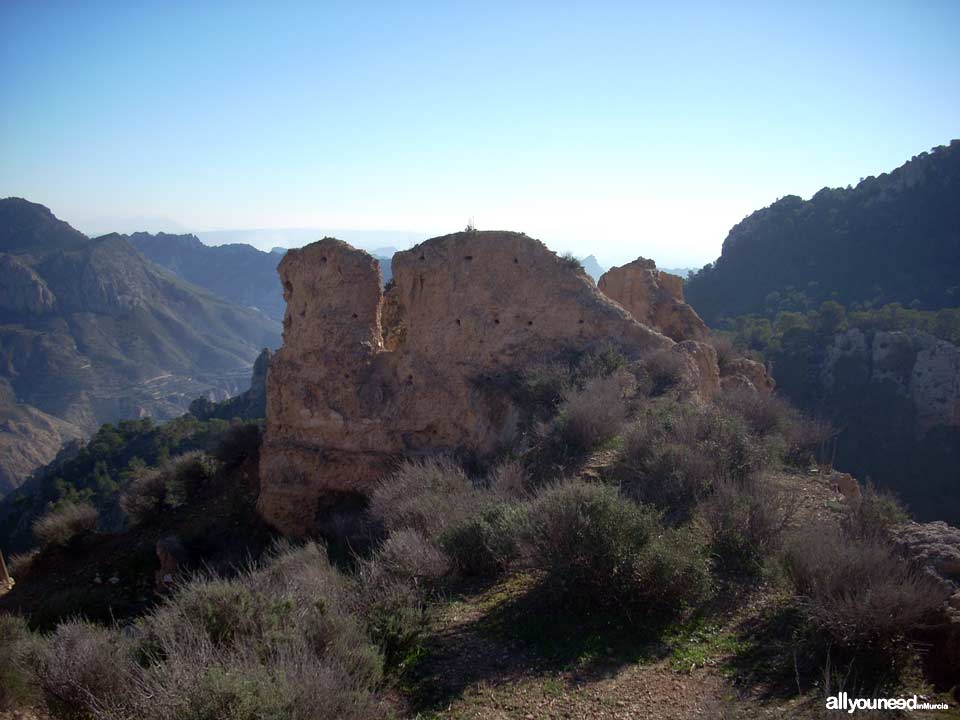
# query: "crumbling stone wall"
[464,312]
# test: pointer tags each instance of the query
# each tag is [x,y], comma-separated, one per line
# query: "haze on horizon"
[614,129]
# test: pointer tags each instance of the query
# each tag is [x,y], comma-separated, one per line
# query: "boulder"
[466,313]
[655,298]
[704,372]
[743,372]
[22,291]
[935,546]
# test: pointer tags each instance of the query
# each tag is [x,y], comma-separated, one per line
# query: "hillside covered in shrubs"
[626,530]
[884,379]
[894,238]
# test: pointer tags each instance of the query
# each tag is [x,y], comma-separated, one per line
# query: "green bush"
[191,473]
[85,668]
[17,686]
[394,612]
[674,572]
[393,588]
[861,596]
[746,522]
[674,454]
[874,513]
[146,495]
[279,640]
[60,527]
[425,495]
[661,371]
[592,415]
[598,549]
[483,543]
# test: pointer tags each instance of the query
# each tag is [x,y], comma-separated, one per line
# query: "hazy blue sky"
[611,128]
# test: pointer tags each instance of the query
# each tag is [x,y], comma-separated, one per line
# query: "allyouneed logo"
[843,701]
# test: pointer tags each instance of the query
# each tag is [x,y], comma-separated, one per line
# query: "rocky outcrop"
[935,548]
[21,289]
[655,298]
[745,373]
[467,311]
[702,366]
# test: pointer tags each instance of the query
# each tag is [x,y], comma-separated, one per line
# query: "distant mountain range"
[91,331]
[236,272]
[892,238]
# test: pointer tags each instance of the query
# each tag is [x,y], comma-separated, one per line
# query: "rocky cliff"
[655,298]
[466,312]
[918,366]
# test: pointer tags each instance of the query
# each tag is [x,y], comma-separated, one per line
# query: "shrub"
[17,687]
[778,425]
[19,565]
[393,609]
[393,586]
[408,554]
[726,353]
[276,641]
[860,595]
[509,479]
[675,572]
[483,543]
[599,549]
[146,495]
[874,513]
[806,440]
[240,442]
[674,453]
[765,413]
[85,667]
[541,386]
[592,416]
[424,495]
[60,527]
[571,261]
[661,371]
[746,522]
[279,640]
[190,473]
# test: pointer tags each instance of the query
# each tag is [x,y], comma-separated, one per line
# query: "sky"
[616,129]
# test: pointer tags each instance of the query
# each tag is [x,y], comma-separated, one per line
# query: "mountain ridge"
[893,238]
[92,331]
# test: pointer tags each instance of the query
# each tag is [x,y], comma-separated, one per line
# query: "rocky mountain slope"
[236,272]
[91,331]
[239,273]
[892,238]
